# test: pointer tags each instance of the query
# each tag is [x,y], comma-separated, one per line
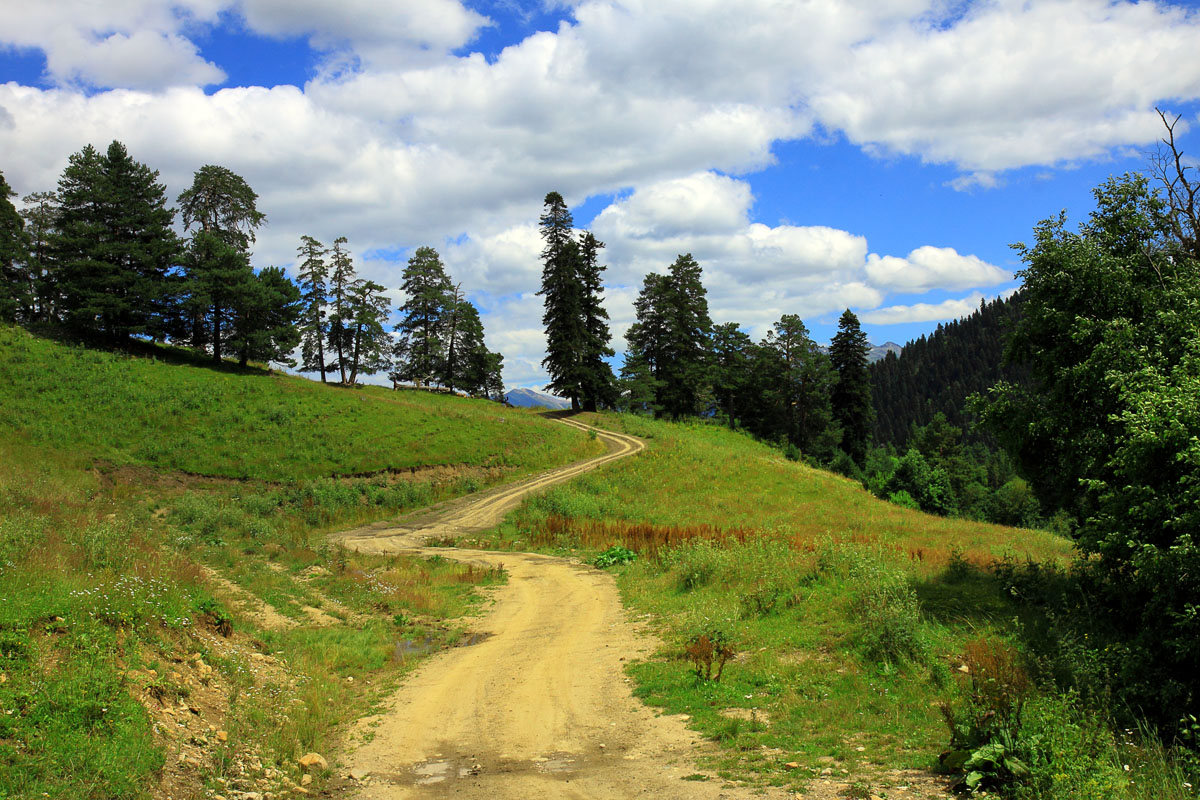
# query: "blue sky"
[812,156]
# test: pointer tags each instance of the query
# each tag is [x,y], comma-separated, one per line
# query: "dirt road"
[539,706]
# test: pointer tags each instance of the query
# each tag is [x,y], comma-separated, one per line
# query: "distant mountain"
[528,398]
[878,352]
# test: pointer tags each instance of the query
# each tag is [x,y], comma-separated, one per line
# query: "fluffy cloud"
[932,268]
[924,312]
[663,102]
[383,34]
[133,44]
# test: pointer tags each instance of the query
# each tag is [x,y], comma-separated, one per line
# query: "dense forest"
[935,374]
[98,258]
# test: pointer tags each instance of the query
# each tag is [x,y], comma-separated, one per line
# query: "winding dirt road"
[539,706]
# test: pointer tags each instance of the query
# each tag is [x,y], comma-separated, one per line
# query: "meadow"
[863,639]
[162,548]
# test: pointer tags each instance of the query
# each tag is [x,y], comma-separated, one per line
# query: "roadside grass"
[175,412]
[115,494]
[852,621]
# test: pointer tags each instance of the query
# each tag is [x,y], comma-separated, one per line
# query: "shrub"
[616,554]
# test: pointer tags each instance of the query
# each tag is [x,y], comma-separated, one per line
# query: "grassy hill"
[169,615]
[857,629]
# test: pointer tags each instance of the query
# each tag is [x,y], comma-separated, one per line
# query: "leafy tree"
[266,311]
[314,296]
[15,290]
[1107,427]
[114,246]
[341,317]
[851,400]
[493,387]
[562,290]
[369,343]
[420,347]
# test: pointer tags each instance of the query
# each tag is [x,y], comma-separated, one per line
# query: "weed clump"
[709,649]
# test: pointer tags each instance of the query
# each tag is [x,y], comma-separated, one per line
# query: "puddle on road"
[414,648]
[439,770]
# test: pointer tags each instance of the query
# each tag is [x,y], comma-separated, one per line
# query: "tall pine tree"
[314,296]
[597,383]
[562,289]
[16,294]
[852,408]
[420,348]
[114,245]
[341,317]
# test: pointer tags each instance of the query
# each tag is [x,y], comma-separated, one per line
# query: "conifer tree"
[114,245]
[566,333]
[420,348]
[648,342]
[732,350]
[684,372]
[597,383]
[802,387]
[341,316]
[222,207]
[41,221]
[314,288]
[851,401]
[15,291]
[369,346]
[266,311]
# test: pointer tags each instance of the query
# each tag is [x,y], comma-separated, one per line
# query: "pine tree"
[420,348]
[222,208]
[218,276]
[648,342]
[566,334]
[852,408]
[341,316]
[369,346]
[114,245]
[314,289]
[684,371]
[732,351]
[598,385]
[41,221]
[803,386]
[16,294]
[265,315]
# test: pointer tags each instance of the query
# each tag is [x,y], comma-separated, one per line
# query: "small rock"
[349,679]
[222,736]
[306,779]
[313,761]
[860,749]
[826,772]
[791,765]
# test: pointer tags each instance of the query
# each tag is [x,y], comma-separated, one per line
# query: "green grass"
[851,616]
[115,486]
[172,414]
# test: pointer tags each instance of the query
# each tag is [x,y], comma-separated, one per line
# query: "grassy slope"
[850,613]
[251,424]
[103,526]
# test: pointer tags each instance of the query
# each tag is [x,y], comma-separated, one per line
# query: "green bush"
[614,555]
[889,615]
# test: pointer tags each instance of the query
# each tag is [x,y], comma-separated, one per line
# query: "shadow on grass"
[964,594]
